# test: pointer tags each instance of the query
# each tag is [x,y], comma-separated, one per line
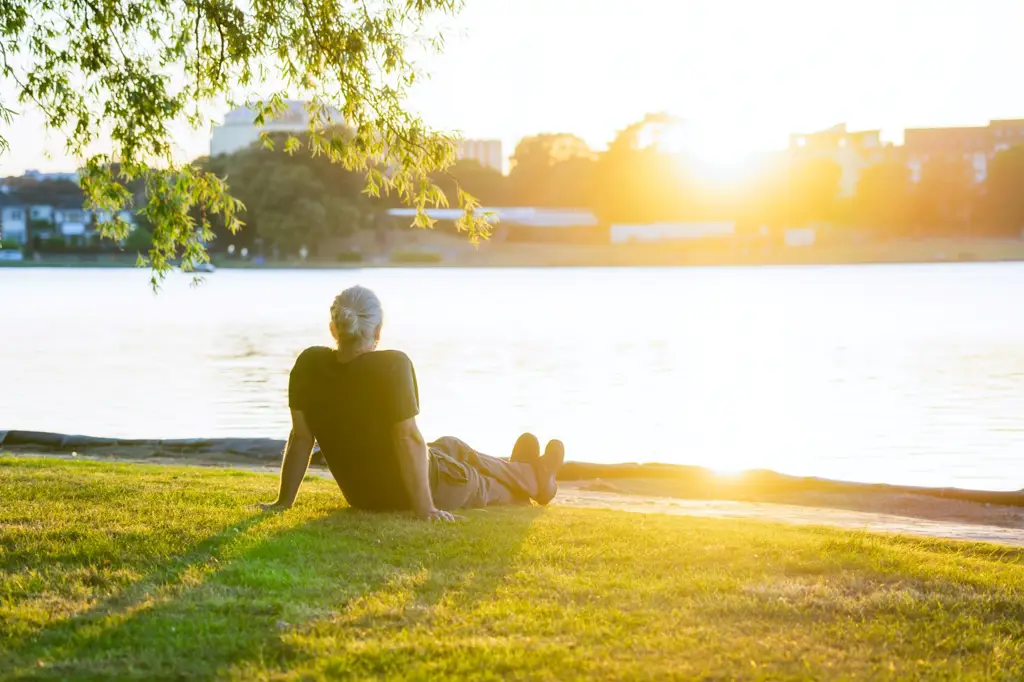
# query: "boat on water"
[204,267]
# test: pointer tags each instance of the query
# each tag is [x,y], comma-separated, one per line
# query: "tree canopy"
[131,69]
[291,200]
[551,169]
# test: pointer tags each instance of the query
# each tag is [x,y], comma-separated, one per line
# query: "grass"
[142,572]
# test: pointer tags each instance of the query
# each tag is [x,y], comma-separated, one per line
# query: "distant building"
[519,215]
[485,152]
[72,221]
[1006,133]
[41,213]
[852,151]
[527,224]
[239,129]
[13,221]
[799,236]
[50,177]
[26,223]
[974,144]
[34,210]
[666,232]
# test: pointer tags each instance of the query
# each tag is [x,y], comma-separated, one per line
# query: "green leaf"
[139,68]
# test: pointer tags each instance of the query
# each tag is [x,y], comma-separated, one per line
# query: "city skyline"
[744,86]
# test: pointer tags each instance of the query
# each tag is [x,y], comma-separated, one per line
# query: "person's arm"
[411,450]
[295,463]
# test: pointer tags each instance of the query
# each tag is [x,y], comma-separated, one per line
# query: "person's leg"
[532,479]
[458,485]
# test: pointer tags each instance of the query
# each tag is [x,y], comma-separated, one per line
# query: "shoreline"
[516,264]
[986,516]
[443,251]
[676,480]
[903,515]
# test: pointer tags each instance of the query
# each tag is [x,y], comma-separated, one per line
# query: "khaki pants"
[462,478]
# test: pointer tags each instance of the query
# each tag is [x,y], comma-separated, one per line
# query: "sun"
[717,150]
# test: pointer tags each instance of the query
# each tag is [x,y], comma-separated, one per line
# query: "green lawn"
[128,571]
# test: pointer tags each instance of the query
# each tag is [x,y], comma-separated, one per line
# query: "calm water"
[911,374]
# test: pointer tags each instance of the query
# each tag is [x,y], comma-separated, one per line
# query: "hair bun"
[356,315]
[349,322]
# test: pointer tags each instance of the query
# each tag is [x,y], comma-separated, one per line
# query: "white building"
[14,223]
[39,176]
[485,152]
[800,236]
[72,222]
[516,215]
[22,222]
[663,232]
[41,212]
[239,129]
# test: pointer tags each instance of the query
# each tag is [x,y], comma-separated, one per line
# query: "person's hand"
[439,515]
[273,506]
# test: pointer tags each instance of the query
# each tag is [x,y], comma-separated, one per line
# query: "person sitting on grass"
[360,404]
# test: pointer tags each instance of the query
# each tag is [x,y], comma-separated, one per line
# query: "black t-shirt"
[351,408]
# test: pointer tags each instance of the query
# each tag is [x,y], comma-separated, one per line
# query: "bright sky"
[744,72]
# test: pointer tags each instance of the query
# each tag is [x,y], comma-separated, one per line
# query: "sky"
[743,73]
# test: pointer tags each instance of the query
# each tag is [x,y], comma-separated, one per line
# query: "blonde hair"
[356,313]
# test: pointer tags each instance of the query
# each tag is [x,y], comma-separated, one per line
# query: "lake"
[891,373]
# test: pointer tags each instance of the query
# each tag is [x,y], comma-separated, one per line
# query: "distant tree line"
[637,180]
[291,200]
[297,200]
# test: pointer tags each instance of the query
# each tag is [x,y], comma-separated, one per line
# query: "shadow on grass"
[201,616]
[128,598]
[130,595]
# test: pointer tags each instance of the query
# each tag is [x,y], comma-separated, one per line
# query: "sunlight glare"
[728,471]
[718,149]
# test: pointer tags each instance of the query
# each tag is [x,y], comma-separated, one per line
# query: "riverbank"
[183,578]
[661,489]
[877,512]
[431,250]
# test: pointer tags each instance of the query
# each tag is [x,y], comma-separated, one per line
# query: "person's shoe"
[526,449]
[547,468]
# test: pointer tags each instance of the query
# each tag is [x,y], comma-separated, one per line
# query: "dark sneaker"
[526,449]
[547,468]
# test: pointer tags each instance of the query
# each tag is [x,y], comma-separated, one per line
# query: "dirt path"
[878,522]
[904,514]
